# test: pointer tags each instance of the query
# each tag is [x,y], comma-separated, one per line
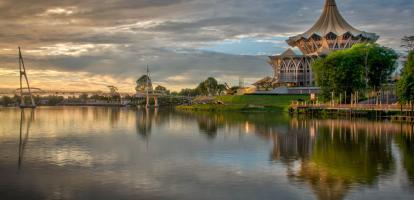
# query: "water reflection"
[24,137]
[406,146]
[209,124]
[144,120]
[83,151]
[332,156]
[343,155]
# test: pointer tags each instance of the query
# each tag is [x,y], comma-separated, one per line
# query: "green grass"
[248,103]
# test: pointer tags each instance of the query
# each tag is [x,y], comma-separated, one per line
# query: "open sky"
[88,44]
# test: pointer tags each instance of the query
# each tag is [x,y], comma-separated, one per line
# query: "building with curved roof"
[331,32]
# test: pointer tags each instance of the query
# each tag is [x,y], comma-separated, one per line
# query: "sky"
[89,44]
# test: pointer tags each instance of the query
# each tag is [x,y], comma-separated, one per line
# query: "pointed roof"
[331,21]
[264,80]
[289,53]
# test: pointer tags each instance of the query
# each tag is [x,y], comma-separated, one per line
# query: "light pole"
[366,72]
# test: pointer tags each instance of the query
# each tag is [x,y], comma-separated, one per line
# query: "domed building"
[330,33]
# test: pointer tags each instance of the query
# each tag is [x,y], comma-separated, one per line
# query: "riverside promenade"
[394,112]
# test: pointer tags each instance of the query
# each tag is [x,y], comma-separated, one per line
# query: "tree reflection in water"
[209,124]
[344,155]
[405,143]
[332,156]
[24,137]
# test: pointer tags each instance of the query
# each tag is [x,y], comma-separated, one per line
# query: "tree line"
[208,87]
[364,68]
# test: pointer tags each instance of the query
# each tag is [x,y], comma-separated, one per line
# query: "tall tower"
[23,74]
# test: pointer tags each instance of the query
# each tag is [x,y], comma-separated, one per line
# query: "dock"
[392,112]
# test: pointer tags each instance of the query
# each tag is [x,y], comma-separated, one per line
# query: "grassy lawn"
[249,103]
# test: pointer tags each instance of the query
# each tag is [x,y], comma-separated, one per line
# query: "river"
[124,153]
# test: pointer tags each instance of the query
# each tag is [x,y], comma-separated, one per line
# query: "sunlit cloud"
[58,80]
[60,11]
[183,41]
[69,49]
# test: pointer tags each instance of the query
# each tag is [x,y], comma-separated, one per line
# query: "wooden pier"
[393,112]
[409,119]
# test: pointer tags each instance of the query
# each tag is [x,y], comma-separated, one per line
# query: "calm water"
[118,153]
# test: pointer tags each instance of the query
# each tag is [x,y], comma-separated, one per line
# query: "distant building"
[331,32]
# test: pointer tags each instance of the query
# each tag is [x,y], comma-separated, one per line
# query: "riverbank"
[247,103]
[393,112]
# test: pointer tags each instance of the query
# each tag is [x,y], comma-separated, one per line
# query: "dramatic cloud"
[183,41]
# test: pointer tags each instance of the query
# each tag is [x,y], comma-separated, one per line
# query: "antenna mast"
[147,88]
[23,73]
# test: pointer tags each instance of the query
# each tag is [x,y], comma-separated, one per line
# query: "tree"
[339,72]
[379,62]
[188,92]
[6,101]
[221,88]
[355,69]
[208,87]
[143,84]
[407,42]
[113,92]
[211,85]
[162,90]
[201,89]
[405,86]
[83,96]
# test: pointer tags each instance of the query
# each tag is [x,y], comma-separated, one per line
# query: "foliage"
[380,63]
[407,42]
[113,90]
[211,85]
[98,97]
[339,72]
[188,92]
[51,100]
[405,86]
[161,89]
[6,101]
[201,89]
[143,83]
[248,103]
[83,96]
[353,69]
[221,89]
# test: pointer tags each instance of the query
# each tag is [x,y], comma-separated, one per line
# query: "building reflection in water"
[24,134]
[331,156]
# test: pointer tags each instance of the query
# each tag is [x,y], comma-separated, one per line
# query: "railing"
[378,107]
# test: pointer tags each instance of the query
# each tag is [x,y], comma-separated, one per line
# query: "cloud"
[177,38]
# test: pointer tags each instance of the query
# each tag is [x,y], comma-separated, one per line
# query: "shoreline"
[246,103]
